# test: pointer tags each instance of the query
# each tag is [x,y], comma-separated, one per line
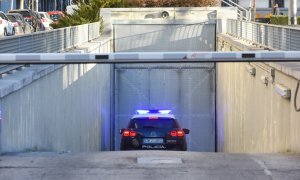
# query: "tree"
[172,3]
[87,12]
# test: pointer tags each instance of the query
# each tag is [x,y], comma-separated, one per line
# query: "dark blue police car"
[153,129]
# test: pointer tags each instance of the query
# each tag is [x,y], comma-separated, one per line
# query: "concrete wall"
[251,116]
[177,16]
[57,107]
[62,111]
[164,37]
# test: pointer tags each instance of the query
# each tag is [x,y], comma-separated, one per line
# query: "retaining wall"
[252,116]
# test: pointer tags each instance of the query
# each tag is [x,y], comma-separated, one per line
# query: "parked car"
[42,27]
[153,129]
[29,17]
[56,15]
[6,27]
[46,20]
[26,26]
[18,25]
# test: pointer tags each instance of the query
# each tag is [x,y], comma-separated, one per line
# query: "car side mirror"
[186,131]
[121,131]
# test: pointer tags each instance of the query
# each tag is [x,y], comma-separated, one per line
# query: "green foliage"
[279,19]
[172,3]
[87,12]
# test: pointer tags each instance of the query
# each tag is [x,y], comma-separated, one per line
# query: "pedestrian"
[276,10]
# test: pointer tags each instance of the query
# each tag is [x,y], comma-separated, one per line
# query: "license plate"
[153,140]
[153,147]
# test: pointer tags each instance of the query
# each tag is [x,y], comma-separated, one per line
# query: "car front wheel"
[13,32]
[5,32]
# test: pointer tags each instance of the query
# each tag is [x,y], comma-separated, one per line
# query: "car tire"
[13,32]
[125,148]
[184,148]
[122,148]
[5,32]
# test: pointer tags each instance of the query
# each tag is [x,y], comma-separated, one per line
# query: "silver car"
[21,26]
[6,27]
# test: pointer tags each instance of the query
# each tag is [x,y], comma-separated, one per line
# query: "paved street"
[149,165]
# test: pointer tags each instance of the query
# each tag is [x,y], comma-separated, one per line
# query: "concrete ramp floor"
[138,165]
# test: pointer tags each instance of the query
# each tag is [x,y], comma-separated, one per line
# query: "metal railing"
[50,41]
[47,42]
[243,13]
[271,36]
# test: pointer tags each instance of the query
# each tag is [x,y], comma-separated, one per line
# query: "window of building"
[279,2]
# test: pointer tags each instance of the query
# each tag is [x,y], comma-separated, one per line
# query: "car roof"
[55,12]
[159,115]
[13,14]
[19,10]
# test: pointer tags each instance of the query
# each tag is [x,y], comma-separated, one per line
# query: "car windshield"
[55,16]
[146,123]
[11,18]
[42,15]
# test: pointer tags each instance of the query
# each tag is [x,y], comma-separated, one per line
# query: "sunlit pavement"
[149,165]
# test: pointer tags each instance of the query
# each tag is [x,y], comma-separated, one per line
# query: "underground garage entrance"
[188,90]
[106,96]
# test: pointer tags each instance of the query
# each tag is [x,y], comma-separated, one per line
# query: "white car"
[6,27]
[46,20]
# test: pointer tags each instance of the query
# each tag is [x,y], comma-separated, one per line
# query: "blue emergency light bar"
[153,111]
[164,111]
[142,111]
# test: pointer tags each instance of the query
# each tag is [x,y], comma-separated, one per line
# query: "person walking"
[276,10]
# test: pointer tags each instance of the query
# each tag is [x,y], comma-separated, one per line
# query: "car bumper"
[47,26]
[134,144]
[19,30]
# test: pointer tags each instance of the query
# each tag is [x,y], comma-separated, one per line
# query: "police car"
[153,129]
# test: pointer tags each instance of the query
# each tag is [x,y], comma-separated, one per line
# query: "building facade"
[264,7]
[266,3]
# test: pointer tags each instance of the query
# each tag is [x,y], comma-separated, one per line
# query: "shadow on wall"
[63,111]
[159,38]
